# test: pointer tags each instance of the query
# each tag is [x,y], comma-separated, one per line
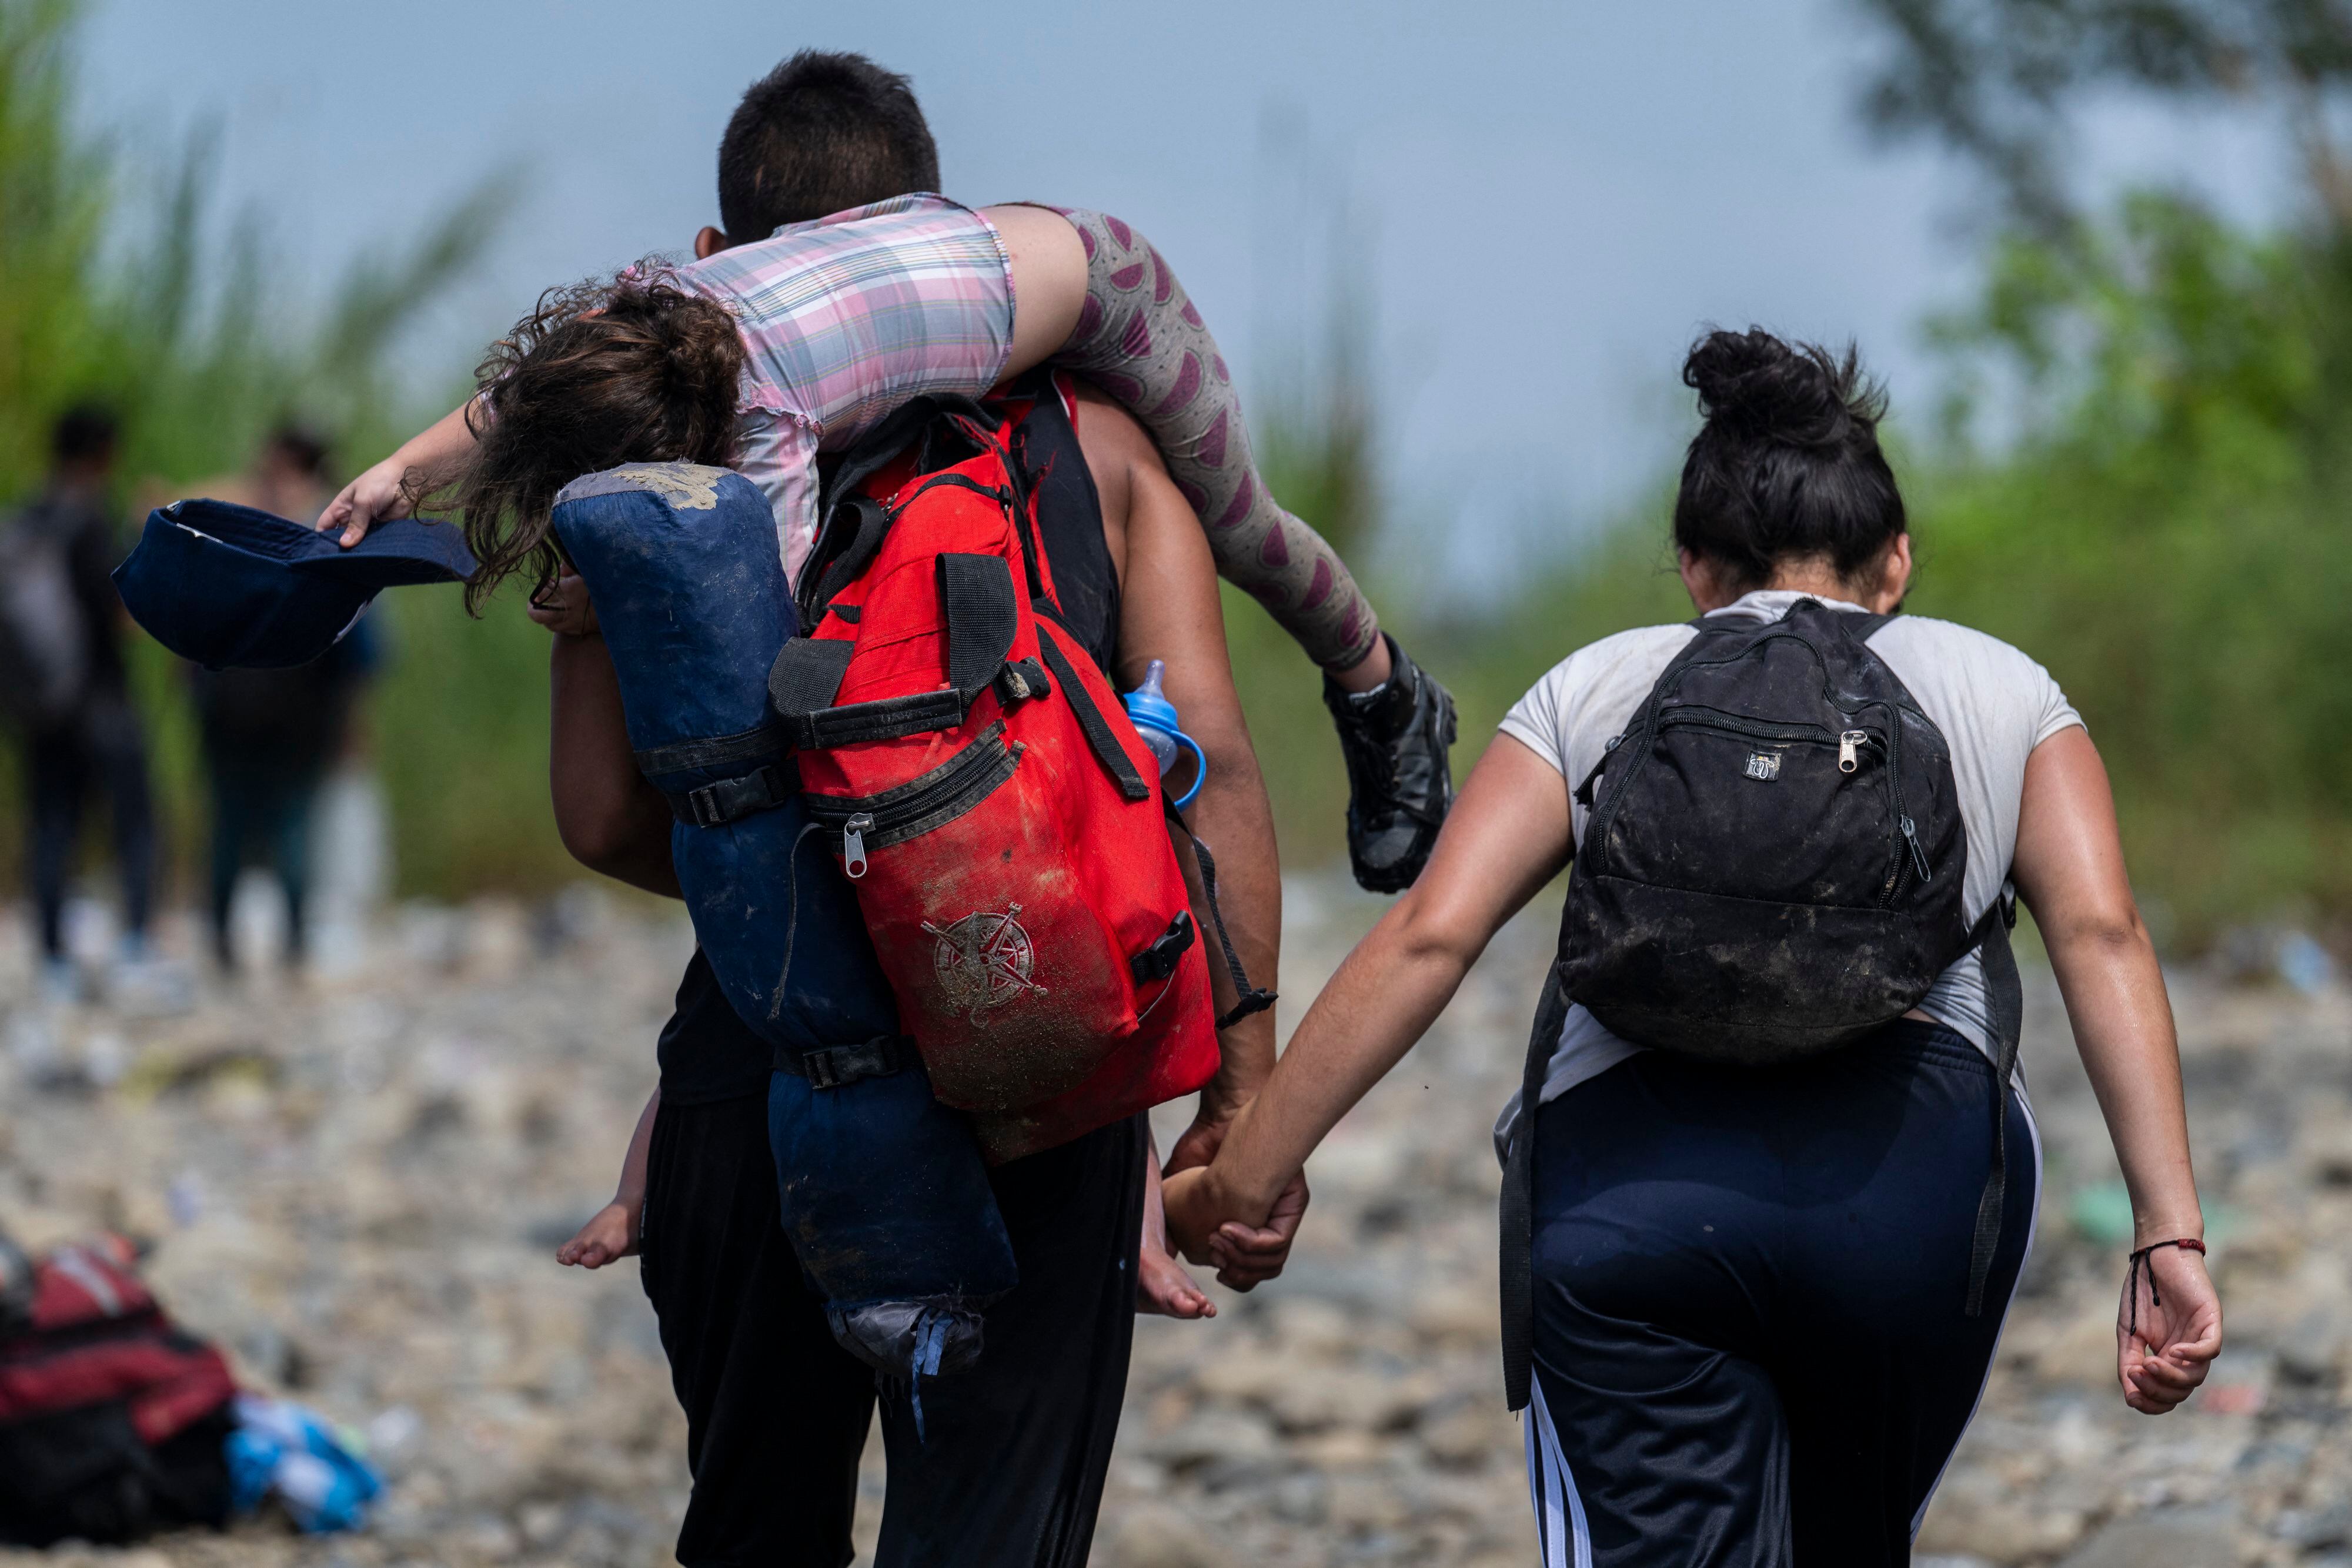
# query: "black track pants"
[1750,1347]
[1010,1470]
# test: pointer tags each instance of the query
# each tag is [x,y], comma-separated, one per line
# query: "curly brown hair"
[602,373]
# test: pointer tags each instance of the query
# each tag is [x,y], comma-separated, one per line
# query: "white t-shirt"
[1992,703]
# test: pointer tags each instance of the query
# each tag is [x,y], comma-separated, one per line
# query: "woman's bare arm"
[2070,873]
[611,819]
[1508,835]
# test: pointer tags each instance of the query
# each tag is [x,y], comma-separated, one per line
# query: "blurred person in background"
[271,735]
[64,681]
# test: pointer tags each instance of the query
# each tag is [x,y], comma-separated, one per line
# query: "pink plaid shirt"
[845,318]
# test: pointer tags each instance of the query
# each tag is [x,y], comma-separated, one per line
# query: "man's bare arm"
[1170,610]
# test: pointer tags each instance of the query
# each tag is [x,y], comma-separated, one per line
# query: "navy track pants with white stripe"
[1751,1348]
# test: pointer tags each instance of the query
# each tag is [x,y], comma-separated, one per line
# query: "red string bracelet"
[2139,1260]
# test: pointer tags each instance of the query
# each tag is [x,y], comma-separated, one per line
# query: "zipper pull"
[853,842]
[1918,855]
[1850,745]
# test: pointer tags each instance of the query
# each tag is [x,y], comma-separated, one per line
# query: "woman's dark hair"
[821,133]
[634,370]
[1787,466]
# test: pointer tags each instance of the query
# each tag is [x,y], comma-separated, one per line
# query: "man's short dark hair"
[821,133]
[85,433]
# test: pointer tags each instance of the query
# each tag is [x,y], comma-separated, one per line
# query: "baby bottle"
[1154,717]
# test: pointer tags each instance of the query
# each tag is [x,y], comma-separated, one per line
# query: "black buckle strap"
[835,1065]
[1158,961]
[1098,732]
[983,616]
[1517,1201]
[1254,999]
[885,718]
[731,800]
[762,743]
[1021,681]
[2005,1010]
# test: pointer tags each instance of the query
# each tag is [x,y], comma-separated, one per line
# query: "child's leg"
[1162,1285]
[1140,338]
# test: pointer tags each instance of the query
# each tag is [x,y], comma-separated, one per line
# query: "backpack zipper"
[943,794]
[1655,718]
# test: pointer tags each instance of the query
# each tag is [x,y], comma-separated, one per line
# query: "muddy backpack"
[1771,868]
[112,1418]
[999,818]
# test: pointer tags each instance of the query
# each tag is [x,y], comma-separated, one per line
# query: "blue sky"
[1544,200]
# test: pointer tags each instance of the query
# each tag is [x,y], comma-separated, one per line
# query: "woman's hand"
[377,496]
[565,608]
[2165,1340]
[1206,1226]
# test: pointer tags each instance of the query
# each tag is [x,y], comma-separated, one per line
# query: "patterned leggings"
[1140,338]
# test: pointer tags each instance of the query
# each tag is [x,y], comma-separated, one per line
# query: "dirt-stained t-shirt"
[1993,703]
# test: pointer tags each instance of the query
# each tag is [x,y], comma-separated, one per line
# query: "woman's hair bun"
[1793,394]
[1787,466]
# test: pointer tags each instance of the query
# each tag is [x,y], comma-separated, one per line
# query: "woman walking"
[1764,1298]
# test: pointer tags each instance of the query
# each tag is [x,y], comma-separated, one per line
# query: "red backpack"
[999,817]
[111,1418]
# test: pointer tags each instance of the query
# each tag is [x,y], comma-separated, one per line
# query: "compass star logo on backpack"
[983,961]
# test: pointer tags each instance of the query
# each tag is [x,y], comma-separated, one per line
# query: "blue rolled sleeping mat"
[884,1190]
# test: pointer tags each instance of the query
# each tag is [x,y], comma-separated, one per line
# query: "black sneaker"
[1400,783]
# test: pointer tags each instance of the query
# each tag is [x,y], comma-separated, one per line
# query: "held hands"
[2167,1328]
[611,1233]
[1207,1226]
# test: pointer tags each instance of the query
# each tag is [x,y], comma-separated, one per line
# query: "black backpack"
[113,1419]
[1771,869]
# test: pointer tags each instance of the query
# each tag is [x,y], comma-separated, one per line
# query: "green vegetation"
[136,292]
[2161,515]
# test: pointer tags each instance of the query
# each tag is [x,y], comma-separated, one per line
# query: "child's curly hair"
[633,369]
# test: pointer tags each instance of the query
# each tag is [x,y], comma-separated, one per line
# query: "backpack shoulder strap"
[2005,1011]
[1517,1202]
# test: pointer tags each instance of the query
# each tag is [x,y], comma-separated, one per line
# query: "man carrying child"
[1007,1465]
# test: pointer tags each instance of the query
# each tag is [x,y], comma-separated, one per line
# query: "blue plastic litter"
[284,1450]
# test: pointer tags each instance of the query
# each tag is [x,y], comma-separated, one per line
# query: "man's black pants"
[1010,1469]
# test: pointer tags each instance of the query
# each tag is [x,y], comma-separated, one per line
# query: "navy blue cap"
[234,587]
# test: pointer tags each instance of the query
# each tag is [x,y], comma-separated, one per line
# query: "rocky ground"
[357,1188]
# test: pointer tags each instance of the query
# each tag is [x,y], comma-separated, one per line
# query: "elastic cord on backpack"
[792,920]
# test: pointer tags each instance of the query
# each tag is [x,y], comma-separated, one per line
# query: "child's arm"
[609,818]
[379,495]
[615,1230]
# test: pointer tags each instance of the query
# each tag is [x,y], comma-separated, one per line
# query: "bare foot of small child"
[1161,1286]
[610,1234]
